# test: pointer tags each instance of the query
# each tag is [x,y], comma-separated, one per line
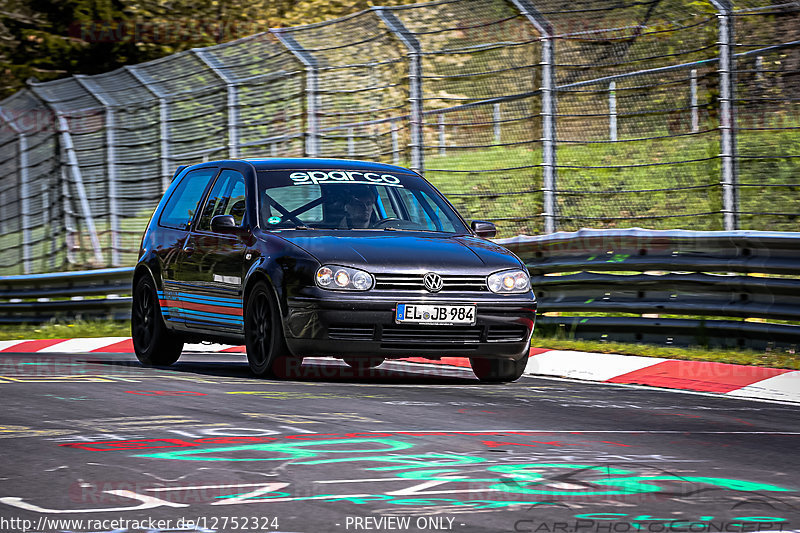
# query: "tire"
[364,363]
[153,343]
[263,332]
[499,370]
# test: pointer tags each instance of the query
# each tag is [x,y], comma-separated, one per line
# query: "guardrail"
[752,276]
[88,294]
[666,287]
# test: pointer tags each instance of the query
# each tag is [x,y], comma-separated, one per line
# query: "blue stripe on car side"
[191,316]
[215,316]
[201,300]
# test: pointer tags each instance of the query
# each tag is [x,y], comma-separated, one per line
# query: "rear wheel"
[263,332]
[153,343]
[499,370]
[364,362]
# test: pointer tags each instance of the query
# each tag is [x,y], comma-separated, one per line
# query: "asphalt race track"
[95,442]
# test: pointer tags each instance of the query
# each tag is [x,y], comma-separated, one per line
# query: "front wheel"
[153,343]
[263,332]
[499,370]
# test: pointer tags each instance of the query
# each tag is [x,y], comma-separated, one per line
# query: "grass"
[602,185]
[57,330]
[775,359]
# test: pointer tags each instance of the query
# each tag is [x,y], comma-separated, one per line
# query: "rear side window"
[185,199]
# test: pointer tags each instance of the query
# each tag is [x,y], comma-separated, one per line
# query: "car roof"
[315,163]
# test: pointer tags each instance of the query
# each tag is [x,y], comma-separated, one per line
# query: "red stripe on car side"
[233,311]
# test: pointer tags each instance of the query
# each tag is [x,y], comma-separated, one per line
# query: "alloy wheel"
[144,319]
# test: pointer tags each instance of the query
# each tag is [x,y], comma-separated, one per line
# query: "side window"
[424,210]
[415,210]
[226,198]
[385,206]
[185,199]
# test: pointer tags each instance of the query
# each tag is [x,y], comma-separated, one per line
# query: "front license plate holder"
[435,315]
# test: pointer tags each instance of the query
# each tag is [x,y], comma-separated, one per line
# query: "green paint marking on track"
[292,450]
[528,478]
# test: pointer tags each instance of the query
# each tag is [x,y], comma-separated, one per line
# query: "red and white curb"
[731,380]
[720,378]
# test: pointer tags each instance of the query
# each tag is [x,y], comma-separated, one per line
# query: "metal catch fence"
[538,115]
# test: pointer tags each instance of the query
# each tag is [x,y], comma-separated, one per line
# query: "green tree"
[49,39]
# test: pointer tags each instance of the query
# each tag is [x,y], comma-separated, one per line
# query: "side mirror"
[224,224]
[483,229]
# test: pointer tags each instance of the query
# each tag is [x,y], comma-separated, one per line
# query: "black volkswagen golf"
[323,257]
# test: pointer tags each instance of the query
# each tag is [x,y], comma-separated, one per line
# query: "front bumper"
[353,325]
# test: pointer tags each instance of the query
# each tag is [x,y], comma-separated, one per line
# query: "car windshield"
[352,200]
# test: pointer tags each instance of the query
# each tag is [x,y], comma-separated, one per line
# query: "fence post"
[47,225]
[232,99]
[612,110]
[24,191]
[25,203]
[496,120]
[693,89]
[375,102]
[442,139]
[111,162]
[548,112]
[312,89]
[760,72]
[351,146]
[75,170]
[163,120]
[415,84]
[730,203]
[395,143]
[69,226]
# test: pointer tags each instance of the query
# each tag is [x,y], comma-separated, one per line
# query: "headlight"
[509,282]
[336,277]
[324,276]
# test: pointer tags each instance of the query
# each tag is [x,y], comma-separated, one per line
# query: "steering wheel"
[394,222]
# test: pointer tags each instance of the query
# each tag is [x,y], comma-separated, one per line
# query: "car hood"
[404,251]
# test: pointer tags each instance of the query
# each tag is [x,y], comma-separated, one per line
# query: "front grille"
[413,282]
[442,337]
[432,335]
[351,333]
[506,333]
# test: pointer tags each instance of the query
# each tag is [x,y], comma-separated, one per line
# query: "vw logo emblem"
[432,281]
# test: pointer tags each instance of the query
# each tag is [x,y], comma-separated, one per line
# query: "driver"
[359,208]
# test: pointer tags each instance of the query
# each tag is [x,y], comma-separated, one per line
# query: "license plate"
[444,315]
